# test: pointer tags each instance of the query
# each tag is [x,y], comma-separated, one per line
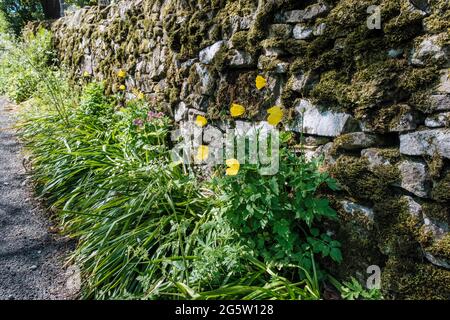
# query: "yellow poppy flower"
[202,153]
[122,87]
[237,110]
[275,116]
[260,82]
[201,121]
[138,94]
[233,167]
[121,73]
[86,74]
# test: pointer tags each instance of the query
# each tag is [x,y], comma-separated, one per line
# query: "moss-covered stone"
[239,40]
[239,87]
[354,175]
[441,189]
[437,211]
[441,248]
[414,281]
[439,19]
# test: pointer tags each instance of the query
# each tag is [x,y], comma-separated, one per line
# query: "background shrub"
[24,64]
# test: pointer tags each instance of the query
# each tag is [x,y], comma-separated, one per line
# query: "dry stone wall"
[374,102]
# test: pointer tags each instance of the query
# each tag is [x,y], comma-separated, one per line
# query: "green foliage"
[18,12]
[254,287]
[353,290]
[24,64]
[147,229]
[279,216]
[4,24]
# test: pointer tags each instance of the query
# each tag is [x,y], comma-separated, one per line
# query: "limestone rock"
[357,140]
[87,64]
[354,208]
[281,67]
[323,123]
[240,23]
[180,112]
[426,142]
[325,151]
[375,157]
[443,263]
[302,82]
[444,84]
[208,54]
[422,5]
[315,141]
[205,82]
[273,52]
[302,32]
[430,50]
[296,16]
[406,120]
[414,208]
[439,102]
[197,101]
[281,31]
[437,228]
[189,134]
[414,177]
[157,65]
[240,59]
[319,29]
[438,120]
[395,53]
[268,63]
[214,138]
[193,113]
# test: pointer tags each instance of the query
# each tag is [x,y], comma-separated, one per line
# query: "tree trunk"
[51,8]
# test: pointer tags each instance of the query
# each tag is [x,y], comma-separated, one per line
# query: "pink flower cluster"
[150,116]
[138,122]
[154,115]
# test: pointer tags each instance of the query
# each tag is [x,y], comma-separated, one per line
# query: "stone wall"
[374,102]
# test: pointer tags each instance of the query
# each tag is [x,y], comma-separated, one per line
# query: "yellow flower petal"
[201,121]
[202,153]
[260,82]
[86,74]
[236,110]
[122,87]
[275,115]
[233,167]
[138,94]
[121,73]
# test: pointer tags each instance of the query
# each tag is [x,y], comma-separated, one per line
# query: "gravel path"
[31,258]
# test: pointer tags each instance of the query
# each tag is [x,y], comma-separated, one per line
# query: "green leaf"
[336,254]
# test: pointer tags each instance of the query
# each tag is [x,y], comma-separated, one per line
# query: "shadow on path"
[31,258]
